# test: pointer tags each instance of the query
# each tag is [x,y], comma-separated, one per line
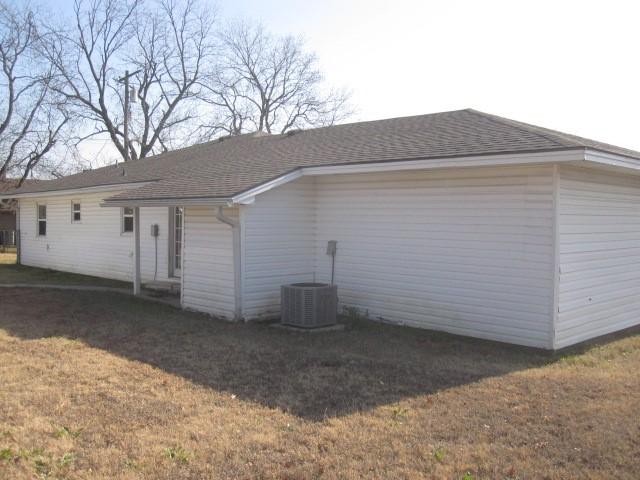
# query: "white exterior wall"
[469,252]
[149,216]
[208,270]
[599,220]
[95,245]
[278,239]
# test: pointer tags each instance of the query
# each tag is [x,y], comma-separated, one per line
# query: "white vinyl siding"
[467,251]
[148,217]
[208,271]
[94,246]
[599,218]
[278,238]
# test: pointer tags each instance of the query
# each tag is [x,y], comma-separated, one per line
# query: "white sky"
[564,64]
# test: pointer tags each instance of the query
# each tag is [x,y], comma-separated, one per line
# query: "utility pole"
[127,112]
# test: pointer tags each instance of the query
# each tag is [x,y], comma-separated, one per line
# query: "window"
[75,212]
[127,220]
[42,220]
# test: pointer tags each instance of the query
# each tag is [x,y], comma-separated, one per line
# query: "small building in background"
[7,215]
[8,210]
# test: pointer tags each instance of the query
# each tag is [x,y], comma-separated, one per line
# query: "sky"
[563,64]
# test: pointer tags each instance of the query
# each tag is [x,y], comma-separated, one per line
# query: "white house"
[458,221]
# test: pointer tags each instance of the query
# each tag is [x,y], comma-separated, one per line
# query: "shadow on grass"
[11,273]
[313,376]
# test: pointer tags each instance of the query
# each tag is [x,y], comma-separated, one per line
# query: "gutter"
[168,202]
[568,154]
[237,260]
[78,190]
[18,235]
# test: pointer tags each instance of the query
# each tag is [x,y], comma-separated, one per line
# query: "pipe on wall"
[18,234]
[237,275]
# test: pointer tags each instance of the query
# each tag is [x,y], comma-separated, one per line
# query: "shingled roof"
[222,169]
[9,184]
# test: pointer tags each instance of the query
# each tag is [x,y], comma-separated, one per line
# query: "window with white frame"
[75,212]
[42,220]
[127,220]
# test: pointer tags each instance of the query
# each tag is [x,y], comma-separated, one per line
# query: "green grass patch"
[177,454]
[6,454]
[67,432]
[67,459]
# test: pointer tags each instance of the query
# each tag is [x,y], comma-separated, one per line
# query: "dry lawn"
[106,386]
[10,273]
[7,258]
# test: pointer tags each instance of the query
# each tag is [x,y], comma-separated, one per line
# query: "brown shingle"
[221,169]
[9,184]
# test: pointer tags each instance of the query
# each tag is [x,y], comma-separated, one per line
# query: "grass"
[10,273]
[108,386]
[177,454]
[7,258]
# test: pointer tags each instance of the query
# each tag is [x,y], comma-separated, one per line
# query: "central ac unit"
[309,305]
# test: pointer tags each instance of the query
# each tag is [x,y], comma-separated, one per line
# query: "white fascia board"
[78,191]
[611,159]
[249,196]
[457,162]
[571,155]
[168,202]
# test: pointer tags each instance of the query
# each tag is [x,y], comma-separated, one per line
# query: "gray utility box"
[309,305]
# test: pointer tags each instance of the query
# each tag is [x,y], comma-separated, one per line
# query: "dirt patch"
[106,386]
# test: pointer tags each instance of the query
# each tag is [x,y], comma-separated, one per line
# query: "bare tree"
[165,41]
[267,83]
[31,117]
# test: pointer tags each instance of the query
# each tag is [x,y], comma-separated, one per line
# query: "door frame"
[173,272]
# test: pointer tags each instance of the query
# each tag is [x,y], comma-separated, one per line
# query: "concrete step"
[162,288]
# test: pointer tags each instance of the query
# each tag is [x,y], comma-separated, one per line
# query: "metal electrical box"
[155,230]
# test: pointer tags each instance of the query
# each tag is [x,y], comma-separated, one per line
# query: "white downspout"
[18,234]
[555,301]
[237,273]
[136,251]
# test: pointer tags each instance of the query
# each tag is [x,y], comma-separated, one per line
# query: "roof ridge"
[548,134]
[400,117]
[273,135]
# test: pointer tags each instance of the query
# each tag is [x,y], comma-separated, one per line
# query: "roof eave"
[561,155]
[611,159]
[110,187]
[167,202]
